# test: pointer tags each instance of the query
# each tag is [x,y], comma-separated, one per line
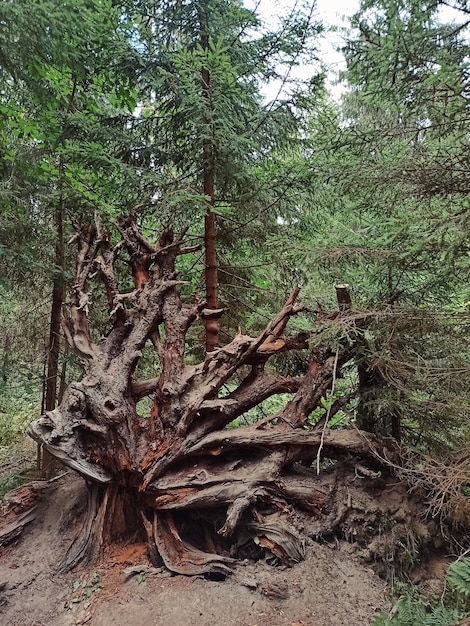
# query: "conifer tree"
[172,469]
[395,158]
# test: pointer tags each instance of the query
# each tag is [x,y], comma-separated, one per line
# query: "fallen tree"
[181,475]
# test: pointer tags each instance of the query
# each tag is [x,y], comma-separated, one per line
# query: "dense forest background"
[144,119]
[103,114]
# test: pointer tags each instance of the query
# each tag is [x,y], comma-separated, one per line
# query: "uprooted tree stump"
[192,485]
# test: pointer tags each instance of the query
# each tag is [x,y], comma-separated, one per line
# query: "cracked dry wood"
[183,456]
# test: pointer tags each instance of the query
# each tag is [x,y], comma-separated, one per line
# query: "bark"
[211,323]
[343,295]
[189,483]
[53,352]
[20,507]
[374,415]
[47,462]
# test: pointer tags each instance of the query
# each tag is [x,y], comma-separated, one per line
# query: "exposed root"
[183,459]
[20,508]
[88,542]
[181,557]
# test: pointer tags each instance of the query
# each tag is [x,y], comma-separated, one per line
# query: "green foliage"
[84,588]
[265,409]
[20,366]
[63,110]
[413,609]
[383,206]
[114,115]
[13,480]
[419,375]
[412,120]
[16,411]
[458,579]
[104,107]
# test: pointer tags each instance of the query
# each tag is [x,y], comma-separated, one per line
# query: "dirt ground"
[331,587]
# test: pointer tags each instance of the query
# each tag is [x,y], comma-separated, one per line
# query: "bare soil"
[331,587]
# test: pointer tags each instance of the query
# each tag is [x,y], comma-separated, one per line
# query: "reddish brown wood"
[182,557]
[184,457]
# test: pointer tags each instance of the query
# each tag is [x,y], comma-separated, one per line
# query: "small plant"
[413,609]
[82,590]
[458,579]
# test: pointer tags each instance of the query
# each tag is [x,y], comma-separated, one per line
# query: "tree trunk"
[180,477]
[6,356]
[47,462]
[378,410]
[211,322]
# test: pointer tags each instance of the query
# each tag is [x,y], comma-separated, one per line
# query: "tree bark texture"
[47,463]
[186,475]
[211,323]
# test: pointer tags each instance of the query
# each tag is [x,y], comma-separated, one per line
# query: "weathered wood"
[280,538]
[304,493]
[153,553]
[11,530]
[142,471]
[90,538]
[348,441]
[20,507]
[343,295]
[180,557]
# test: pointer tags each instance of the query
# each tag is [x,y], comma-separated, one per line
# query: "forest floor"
[332,586]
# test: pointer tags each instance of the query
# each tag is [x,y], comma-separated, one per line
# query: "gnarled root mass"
[195,487]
